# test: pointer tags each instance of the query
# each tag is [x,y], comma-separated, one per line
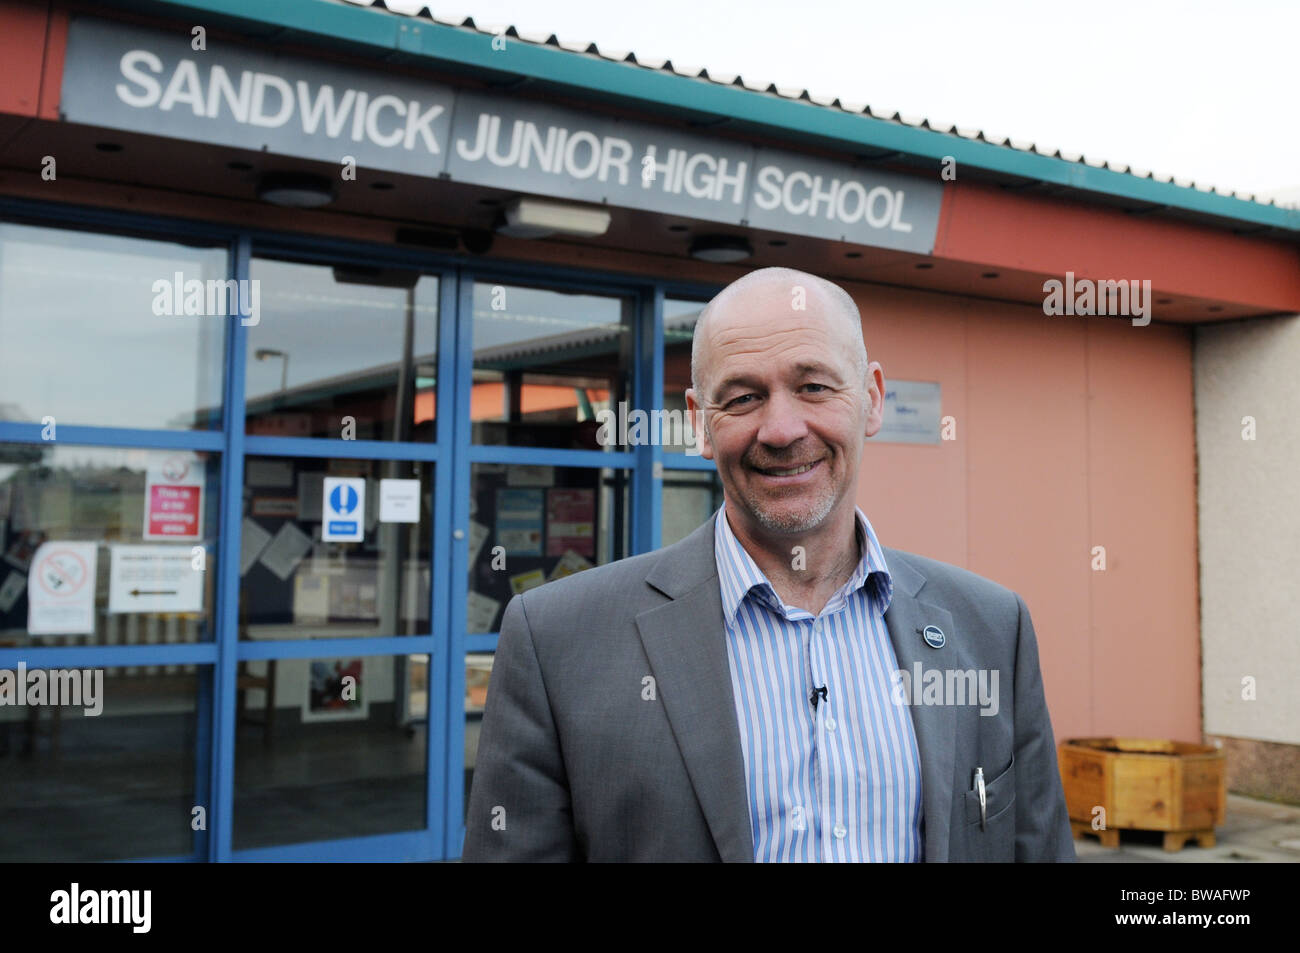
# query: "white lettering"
[131,61]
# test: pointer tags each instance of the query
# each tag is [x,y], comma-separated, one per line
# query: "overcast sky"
[1201,90]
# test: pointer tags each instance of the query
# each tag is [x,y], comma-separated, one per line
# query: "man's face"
[785,407]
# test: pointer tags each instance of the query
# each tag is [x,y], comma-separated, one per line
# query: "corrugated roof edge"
[584,67]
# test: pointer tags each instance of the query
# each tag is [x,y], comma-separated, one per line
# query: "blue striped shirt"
[841,781]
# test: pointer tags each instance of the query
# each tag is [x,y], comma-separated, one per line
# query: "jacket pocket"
[999,796]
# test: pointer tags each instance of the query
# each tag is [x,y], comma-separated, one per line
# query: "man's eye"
[820,387]
[737,401]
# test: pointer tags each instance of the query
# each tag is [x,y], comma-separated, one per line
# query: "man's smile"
[789,473]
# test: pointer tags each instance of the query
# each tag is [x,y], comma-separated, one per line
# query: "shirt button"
[830,723]
[839,831]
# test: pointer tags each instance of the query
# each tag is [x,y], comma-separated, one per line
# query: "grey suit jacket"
[579,760]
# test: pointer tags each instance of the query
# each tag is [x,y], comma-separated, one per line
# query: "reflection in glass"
[90,333]
[532,524]
[105,546]
[545,363]
[347,757]
[296,585]
[343,352]
[113,786]
[689,498]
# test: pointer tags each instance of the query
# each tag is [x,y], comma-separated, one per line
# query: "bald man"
[778,686]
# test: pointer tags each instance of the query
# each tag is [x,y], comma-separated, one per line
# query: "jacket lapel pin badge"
[933,636]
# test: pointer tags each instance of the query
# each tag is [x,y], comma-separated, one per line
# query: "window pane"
[120,784]
[342,352]
[332,752]
[106,546]
[689,498]
[298,585]
[530,525]
[104,330]
[545,363]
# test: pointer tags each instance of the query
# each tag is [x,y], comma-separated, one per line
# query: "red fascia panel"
[56,50]
[23,28]
[986,225]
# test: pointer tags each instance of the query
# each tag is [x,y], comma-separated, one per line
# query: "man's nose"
[782,422]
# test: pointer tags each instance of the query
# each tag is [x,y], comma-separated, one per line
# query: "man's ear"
[696,413]
[875,398]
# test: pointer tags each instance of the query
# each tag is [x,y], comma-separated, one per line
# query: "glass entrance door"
[543,490]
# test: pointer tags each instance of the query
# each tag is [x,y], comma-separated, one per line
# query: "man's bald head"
[839,305]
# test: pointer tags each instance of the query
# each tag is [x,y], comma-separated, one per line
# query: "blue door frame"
[452,453]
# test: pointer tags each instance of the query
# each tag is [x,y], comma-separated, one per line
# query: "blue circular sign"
[933,636]
[343,500]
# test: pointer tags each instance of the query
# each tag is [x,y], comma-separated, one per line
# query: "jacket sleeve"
[1042,824]
[519,806]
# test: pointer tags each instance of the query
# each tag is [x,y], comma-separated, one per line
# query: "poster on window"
[570,522]
[336,691]
[519,522]
[173,498]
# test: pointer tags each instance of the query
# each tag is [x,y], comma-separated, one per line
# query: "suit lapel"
[686,644]
[935,725]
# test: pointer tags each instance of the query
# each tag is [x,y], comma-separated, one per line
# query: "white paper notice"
[569,563]
[286,550]
[61,589]
[480,613]
[252,540]
[399,501]
[153,579]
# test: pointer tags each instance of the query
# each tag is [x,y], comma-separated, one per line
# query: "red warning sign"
[173,512]
[173,504]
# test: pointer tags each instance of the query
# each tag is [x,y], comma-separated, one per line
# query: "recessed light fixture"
[721,249]
[989,274]
[853,254]
[295,189]
[924,265]
[534,218]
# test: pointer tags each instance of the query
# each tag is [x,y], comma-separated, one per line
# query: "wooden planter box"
[1144,784]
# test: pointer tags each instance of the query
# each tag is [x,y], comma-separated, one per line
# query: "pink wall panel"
[1069,435]
[1145,606]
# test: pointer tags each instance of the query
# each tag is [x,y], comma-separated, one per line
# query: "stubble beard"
[782,523]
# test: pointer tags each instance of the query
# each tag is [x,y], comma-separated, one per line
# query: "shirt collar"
[739,575]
